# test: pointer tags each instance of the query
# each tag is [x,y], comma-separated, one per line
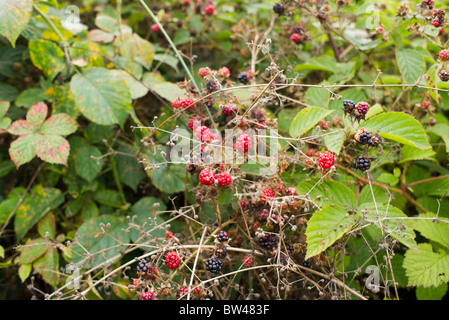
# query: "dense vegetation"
[196,149]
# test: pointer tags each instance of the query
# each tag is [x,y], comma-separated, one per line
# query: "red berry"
[207,177]
[224,179]
[230,109]
[267,193]
[172,260]
[203,133]
[168,234]
[210,9]
[215,137]
[186,2]
[326,160]
[435,22]
[202,72]
[135,282]
[292,191]
[243,204]
[147,295]
[224,71]
[176,103]
[444,55]
[296,38]
[194,122]
[248,261]
[182,292]
[243,143]
[155,28]
[186,103]
[310,152]
[362,107]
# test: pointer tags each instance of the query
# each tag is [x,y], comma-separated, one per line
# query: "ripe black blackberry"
[279,8]
[214,265]
[211,86]
[362,163]
[142,266]
[306,263]
[444,75]
[243,77]
[365,137]
[268,241]
[297,29]
[290,248]
[348,106]
[222,236]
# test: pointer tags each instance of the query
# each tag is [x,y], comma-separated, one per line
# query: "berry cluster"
[357,111]
[214,265]
[361,163]
[365,137]
[268,241]
[172,260]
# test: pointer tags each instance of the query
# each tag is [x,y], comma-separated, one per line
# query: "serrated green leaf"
[101,97]
[14,16]
[48,266]
[48,57]
[25,271]
[85,166]
[410,153]
[36,205]
[32,250]
[431,293]
[437,231]
[167,181]
[8,92]
[30,97]
[426,268]
[59,124]
[327,226]
[411,64]
[109,198]
[306,119]
[392,221]
[161,87]
[129,170]
[334,141]
[399,127]
[442,130]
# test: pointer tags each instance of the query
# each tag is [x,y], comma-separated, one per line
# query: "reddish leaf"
[37,113]
[21,127]
[60,123]
[52,148]
[22,150]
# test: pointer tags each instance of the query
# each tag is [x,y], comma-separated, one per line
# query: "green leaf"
[167,181]
[48,57]
[32,250]
[334,141]
[36,205]
[109,198]
[137,49]
[14,16]
[48,266]
[431,293]
[391,220]
[85,166]
[399,127]
[380,195]
[8,59]
[25,271]
[59,124]
[101,97]
[2,252]
[437,231]
[426,268]
[129,170]
[52,148]
[101,245]
[411,64]
[62,100]
[409,153]
[8,92]
[30,97]
[317,97]
[165,89]
[21,150]
[442,130]
[330,191]
[306,119]
[327,226]
[138,90]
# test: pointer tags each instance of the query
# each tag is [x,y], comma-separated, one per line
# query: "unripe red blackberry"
[214,265]
[224,179]
[203,72]
[194,122]
[203,133]
[146,296]
[436,22]
[187,103]
[362,107]
[267,193]
[209,9]
[222,236]
[207,177]
[279,8]
[444,55]
[362,163]
[242,204]
[155,28]
[296,38]
[230,109]
[176,103]
[172,260]
[248,261]
[182,292]
[326,160]
[224,71]
[243,143]
[292,191]
[263,215]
